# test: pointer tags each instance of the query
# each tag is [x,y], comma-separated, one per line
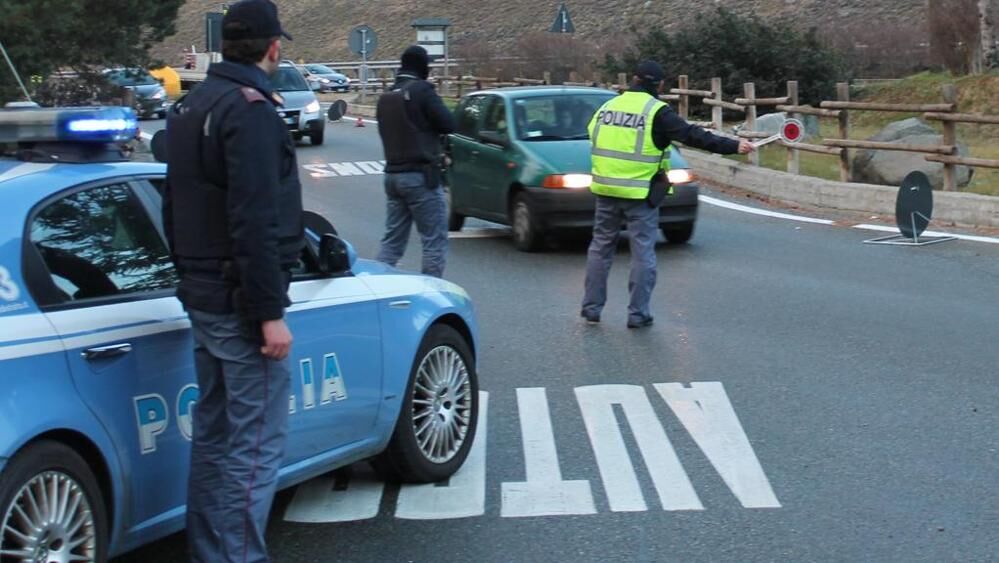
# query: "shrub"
[739,49]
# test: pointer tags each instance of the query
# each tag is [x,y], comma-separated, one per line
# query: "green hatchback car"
[521,157]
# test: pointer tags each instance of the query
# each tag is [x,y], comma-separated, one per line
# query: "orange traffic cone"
[360,122]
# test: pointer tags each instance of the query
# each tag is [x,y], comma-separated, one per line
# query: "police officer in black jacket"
[411,120]
[233,217]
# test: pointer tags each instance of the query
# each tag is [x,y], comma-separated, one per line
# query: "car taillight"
[567,181]
[679,176]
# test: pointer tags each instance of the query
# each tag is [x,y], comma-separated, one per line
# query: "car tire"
[33,473]
[429,407]
[455,220]
[316,137]
[527,234]
[678,234]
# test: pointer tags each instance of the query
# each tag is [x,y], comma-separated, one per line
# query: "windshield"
[288,80]
[131,77]
[558,117]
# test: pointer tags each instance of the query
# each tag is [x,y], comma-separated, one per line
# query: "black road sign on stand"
[337,110]
[913,211]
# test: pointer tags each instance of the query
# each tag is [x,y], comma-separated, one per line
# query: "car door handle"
[102,352]
[403,304]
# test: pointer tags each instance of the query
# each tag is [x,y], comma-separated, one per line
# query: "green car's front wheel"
[527,233]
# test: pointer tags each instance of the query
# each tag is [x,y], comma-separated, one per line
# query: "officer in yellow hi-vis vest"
[629,136]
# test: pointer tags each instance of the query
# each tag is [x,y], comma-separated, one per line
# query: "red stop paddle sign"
[792,131]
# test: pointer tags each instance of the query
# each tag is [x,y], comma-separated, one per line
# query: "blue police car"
[96,367]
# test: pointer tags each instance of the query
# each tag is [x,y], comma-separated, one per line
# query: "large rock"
[901,129]
[772,122]
[890,167]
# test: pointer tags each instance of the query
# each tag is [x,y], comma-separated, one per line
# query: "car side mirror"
[494,138]
[334,255]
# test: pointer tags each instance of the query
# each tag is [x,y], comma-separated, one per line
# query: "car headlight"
[679,176]
[324,80]
[567,181]
[313,107]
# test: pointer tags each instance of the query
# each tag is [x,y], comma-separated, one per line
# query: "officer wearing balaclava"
[411,121]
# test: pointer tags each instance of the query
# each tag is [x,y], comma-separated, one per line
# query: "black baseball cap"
[257,19]
[650,71]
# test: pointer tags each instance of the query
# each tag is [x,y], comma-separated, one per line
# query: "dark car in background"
[327,79]
[150,96]
[521,157]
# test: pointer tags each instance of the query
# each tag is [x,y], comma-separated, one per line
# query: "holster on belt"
[659,188]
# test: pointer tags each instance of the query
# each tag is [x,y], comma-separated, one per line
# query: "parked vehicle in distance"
[328,79]
[300,110]
[151,98]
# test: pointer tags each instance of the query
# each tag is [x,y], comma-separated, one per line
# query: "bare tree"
[987,33]
[561,54]
[955,34]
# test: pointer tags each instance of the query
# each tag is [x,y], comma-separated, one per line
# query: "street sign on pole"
[213,32]
[363,41]
[431,34]
[563,24]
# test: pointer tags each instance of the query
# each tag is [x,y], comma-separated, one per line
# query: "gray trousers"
[643,229]
[240,424]
[409,201]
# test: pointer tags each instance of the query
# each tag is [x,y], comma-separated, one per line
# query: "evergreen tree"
[44,36]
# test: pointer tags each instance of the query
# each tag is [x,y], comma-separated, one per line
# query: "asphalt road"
[802,396]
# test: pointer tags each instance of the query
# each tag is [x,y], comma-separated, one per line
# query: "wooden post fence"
[843,95]
[793,159]
[950,138]
[684,106]
[716,111]
[749,90]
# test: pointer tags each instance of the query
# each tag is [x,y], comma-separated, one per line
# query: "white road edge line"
[881,228]
[756,211]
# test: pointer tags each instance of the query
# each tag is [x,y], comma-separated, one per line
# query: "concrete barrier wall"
[968,210]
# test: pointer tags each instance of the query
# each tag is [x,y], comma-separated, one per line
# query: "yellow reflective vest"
[622,151]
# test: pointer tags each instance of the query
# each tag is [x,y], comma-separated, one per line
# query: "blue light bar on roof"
[89,125]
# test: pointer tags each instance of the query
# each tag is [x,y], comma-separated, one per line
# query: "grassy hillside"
[320,27]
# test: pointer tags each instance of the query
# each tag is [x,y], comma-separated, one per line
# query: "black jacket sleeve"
[667,127]
[438,116]
[253,138]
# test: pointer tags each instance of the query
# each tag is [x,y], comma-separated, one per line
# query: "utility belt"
[432,171]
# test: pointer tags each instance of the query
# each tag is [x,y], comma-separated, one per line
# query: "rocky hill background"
[320,27]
